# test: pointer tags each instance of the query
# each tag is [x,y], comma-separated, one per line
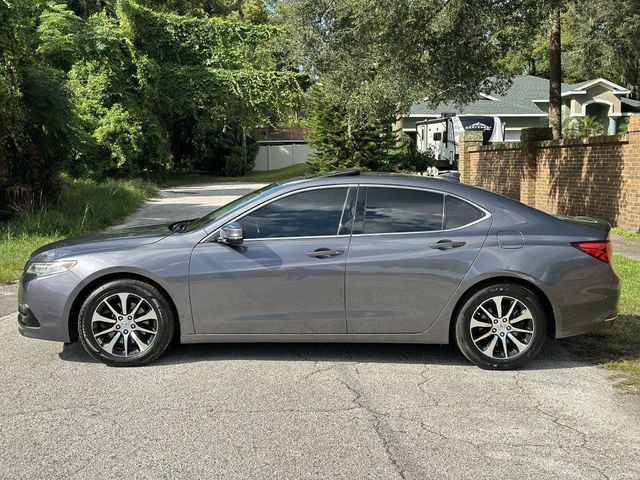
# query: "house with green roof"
[525,104]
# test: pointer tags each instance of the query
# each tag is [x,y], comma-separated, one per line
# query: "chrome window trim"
[487,214]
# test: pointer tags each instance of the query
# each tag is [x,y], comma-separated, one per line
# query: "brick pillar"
[528,139]
[467,166]
[634,125]
[631,219]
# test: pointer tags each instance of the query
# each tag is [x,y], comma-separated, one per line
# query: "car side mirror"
[231,234]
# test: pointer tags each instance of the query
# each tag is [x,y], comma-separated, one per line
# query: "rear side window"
[305,214]
[459,213]
[397,210]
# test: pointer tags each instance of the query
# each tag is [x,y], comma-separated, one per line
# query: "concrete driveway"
[306,411]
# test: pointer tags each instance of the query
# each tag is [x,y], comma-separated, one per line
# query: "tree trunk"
[555,74]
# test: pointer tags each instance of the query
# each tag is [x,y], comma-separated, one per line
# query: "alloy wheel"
[124,324]
[502,327]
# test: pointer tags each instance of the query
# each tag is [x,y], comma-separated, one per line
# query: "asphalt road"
[306,411]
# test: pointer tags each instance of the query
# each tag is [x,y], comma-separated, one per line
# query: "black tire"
[486,297]
[164,323]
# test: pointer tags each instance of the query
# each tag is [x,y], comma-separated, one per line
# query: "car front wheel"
[501,327]
[126,323]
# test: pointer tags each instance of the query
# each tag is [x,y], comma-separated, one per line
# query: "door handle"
[446,245]
[325,253]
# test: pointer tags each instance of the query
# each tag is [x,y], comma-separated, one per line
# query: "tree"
[599,39]
[148,86]
[379,56]
[555,72]
[341,143]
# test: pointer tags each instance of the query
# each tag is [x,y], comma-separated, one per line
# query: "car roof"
[433,183]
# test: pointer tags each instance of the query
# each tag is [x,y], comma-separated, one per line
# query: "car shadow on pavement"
[553,356]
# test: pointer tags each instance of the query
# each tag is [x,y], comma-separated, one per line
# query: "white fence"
[273,157]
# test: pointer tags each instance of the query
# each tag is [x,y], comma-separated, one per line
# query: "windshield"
[237,203]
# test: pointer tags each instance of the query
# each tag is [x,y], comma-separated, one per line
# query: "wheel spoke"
[504,346]
[144,330]
[125,339]
[525,315]
[104,332]
[498,303]
[489,350]
[510,312]
[123,302]
[141,345]
[520,330]
[478,324]
[484,310]
[109,346]
[488,334]
[101,318]
[115,314]
[150,315]
[135,309]
[519,345]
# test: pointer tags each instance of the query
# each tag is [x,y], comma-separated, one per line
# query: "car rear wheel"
[501,327]
[126,323]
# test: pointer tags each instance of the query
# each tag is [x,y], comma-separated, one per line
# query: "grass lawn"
[618,348]
[82,207]
[279,175]
[624,233]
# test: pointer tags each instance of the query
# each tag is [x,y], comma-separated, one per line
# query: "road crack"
[377,426]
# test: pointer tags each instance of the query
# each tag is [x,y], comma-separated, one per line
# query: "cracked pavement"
[291,411]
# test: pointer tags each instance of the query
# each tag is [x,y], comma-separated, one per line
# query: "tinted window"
[393,210]
[305,214]
[459,213]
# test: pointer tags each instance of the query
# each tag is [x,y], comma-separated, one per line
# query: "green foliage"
[409,158]
[582,127]
[599,39]
[340,141]
[125,87]
[82,206]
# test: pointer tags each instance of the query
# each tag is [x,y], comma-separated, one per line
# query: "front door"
[409,251]
[287,277]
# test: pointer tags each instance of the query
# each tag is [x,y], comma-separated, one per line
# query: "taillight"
[601,250]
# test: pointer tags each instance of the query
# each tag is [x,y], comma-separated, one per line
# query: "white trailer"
[442,135]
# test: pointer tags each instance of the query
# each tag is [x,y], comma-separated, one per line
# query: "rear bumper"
[589,308]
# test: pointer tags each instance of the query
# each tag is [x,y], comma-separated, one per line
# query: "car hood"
[119,239]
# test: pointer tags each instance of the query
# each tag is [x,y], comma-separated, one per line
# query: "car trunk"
[600,227]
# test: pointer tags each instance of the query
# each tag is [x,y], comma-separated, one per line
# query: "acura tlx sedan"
[339,258]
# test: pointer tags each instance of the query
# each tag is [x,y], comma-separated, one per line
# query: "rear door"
[287,277]
[410,249]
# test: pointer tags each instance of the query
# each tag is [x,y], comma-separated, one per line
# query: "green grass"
[618,347]
[279,175]
[625,233]
[82,207]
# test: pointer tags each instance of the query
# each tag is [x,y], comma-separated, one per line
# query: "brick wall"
[598,176]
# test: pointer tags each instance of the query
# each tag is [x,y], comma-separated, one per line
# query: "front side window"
[306,214]
[398,210]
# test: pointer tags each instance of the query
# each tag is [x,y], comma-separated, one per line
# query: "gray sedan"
[338,258]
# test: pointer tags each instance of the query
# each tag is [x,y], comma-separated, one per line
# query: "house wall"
[515,125]
[597,176]
[599,94]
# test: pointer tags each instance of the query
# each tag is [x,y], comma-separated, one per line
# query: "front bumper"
[43,306]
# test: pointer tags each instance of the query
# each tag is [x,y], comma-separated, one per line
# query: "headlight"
[41,269]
